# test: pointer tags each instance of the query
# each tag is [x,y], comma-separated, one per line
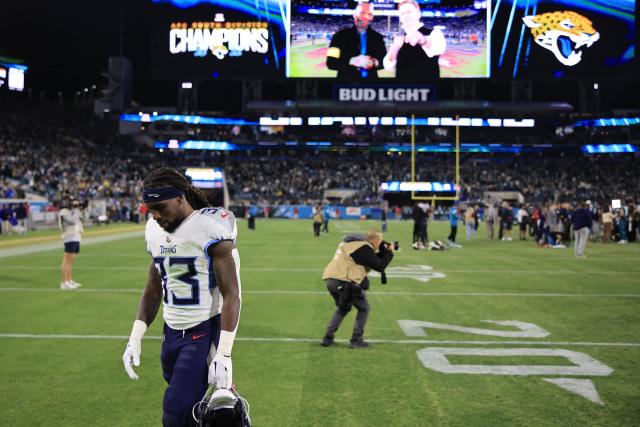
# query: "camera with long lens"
[386,246]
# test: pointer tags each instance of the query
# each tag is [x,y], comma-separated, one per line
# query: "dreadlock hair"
[170,177]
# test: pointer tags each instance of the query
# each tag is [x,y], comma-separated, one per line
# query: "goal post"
[435,197]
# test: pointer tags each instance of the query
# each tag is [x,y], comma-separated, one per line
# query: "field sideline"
[60,361]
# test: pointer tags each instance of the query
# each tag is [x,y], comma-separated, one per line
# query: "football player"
[195,273]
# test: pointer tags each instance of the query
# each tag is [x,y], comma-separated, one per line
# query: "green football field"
[569,354]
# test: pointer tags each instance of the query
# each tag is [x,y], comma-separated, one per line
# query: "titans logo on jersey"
[190,294]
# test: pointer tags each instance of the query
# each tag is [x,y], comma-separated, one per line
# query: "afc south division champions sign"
[219,37]
[384,93]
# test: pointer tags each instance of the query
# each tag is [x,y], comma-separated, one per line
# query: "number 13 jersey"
[189,289]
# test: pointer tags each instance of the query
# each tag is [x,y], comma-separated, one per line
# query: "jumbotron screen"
[206,177]
[12,76]
[562,38]
[405,41]
[325,39]
[199,39]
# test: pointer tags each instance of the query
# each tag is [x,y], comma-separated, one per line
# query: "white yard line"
[324,293]
[318,270]
[41,247]
[317,340]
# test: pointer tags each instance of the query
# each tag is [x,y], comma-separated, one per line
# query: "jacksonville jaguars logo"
[566,34]
[220,51]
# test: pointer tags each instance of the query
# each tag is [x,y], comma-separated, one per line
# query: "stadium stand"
[71,152]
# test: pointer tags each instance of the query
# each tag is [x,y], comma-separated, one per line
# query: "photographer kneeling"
[346,279]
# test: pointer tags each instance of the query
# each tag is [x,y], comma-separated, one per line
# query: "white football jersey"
[190,293]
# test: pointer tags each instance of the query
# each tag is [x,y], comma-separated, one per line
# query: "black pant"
[347,295]
[252,223]
[539,230]
[325,225]
[423,232]
[452,235]
[316,228]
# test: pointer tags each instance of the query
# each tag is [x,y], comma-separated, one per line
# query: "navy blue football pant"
[185,368]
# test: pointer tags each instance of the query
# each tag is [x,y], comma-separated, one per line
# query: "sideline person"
[581,219]
[347,282]
[70,224]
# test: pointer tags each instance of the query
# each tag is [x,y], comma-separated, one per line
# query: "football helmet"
[222,408]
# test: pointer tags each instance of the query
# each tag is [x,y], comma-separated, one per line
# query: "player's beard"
[171,226]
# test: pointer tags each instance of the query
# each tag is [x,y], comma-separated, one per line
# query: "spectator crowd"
[54,153]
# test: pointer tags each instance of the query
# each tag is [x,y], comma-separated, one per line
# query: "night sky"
[66,44]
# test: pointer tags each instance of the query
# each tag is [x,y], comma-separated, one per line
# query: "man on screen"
[357,52]
[414,55]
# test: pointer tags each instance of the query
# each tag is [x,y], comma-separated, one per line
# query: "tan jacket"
[607,217]
[343,267]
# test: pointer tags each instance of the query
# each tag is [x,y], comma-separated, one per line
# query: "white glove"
[131,354]
[220,371]
[131,357]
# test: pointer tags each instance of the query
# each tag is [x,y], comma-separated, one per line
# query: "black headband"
[160,194]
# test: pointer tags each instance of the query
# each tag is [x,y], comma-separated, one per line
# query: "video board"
[219,39]
[206,177]
[326,39]
[400,40]
[562,38]
[12,76]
